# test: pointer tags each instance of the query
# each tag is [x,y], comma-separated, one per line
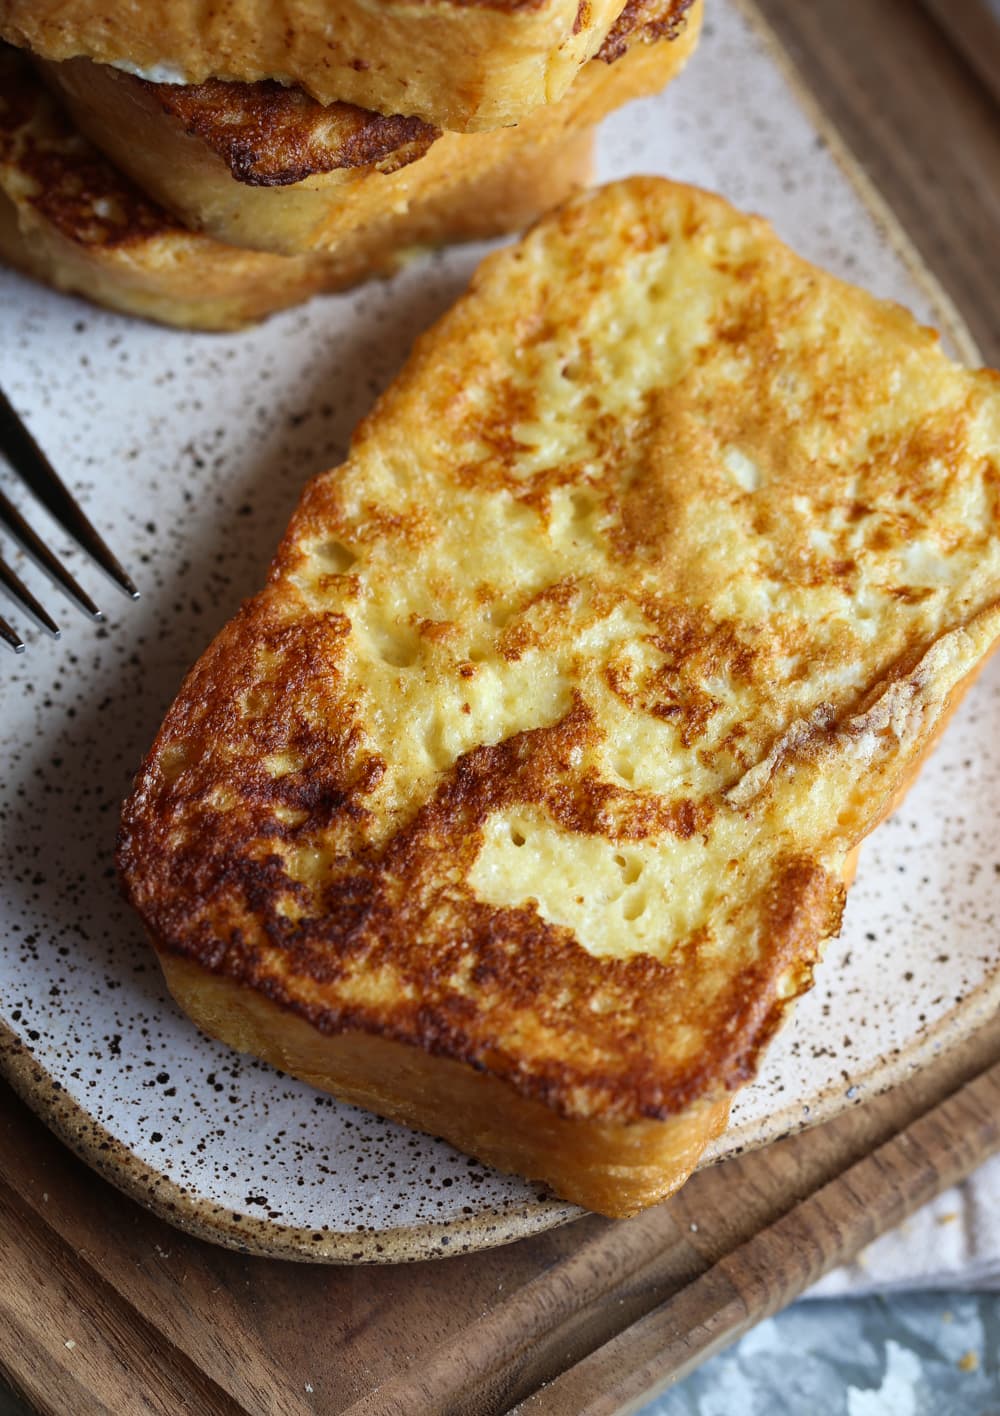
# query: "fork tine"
[36,548]
[9,637]
[34,468]
[17,589]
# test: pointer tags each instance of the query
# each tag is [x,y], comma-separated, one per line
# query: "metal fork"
[30,463]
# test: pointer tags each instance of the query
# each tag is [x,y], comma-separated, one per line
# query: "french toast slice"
[269,168]
[519,804]
[70,218]
[457,65]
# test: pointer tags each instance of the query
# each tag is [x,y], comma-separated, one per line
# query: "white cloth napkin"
[953,1243]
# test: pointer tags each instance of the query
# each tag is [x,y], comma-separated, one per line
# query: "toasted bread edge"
[614,1168]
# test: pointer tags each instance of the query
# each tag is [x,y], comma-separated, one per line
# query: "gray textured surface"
[910,1355]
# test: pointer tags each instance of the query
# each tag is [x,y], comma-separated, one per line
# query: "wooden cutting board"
[104,1308]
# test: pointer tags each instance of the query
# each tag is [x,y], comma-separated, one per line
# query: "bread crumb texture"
[641,593]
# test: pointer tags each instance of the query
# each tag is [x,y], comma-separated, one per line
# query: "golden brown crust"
[68,217]
[185,149]
[269,135]
[461,67]
[68,197]
[613,1168]
[601,1026]
[641,594]
[645,22]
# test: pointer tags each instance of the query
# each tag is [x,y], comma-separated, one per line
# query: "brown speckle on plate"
[189,452]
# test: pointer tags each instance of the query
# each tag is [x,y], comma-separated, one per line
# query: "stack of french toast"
[206,166]
[519,804]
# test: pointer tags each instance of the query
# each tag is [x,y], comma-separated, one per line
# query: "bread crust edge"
[613,1168]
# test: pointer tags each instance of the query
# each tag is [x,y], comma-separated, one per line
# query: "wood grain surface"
[923,125]
[825,1228]
[974,29]
[105,1309]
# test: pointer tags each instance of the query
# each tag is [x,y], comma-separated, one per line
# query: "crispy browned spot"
[272,136]
[659,482]
[466,975]
[62,176]
[644,21]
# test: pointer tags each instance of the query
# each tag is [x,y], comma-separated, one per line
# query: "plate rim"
[105,1153]
[980,1006]
[114,1161]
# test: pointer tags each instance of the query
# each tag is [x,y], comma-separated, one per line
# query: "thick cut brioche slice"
[68,217]
[458,65]
[518,805]
[260,166]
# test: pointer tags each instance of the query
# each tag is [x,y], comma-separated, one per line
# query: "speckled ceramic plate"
[191,450]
